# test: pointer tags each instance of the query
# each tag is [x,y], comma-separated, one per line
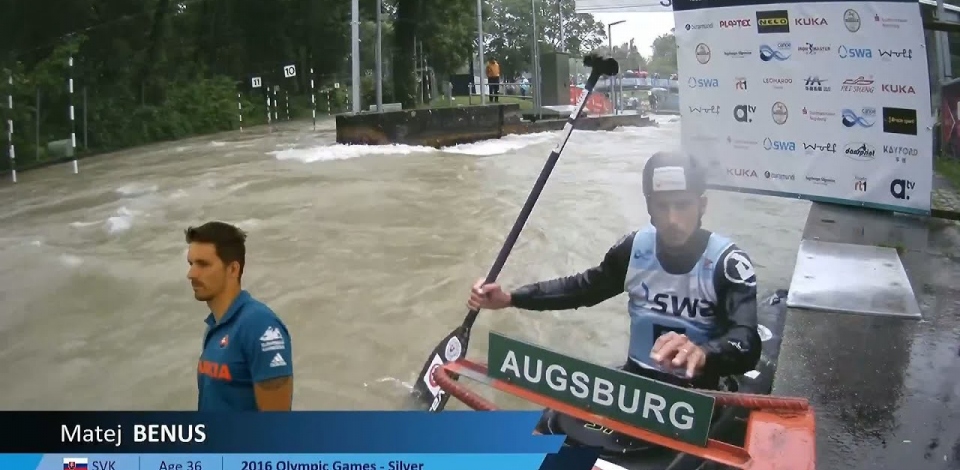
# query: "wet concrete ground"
[886,392]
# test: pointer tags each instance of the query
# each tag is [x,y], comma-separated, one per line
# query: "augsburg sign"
[644,403]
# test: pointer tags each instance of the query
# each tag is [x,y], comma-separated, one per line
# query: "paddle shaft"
[454,345]
[527,209]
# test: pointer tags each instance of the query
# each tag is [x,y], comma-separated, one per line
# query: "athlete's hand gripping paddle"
[454,345]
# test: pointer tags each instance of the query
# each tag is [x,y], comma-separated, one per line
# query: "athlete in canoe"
[692,293]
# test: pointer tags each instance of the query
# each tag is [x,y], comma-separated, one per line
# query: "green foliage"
[167,69]
[627,54]
[206,105]
[509,32]
[146,71]
[664,58]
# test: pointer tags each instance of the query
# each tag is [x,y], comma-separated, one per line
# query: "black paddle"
[454,345]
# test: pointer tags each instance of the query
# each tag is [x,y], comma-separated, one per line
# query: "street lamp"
[481,72]
[610,81]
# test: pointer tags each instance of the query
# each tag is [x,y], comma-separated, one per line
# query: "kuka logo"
[898,89]
[814,21]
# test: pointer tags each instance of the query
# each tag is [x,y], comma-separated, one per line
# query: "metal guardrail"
[626,81]
[644,82]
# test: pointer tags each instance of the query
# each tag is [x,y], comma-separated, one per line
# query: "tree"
[445,30]
[509,32]
[627,55]
[166,69]
[664,58]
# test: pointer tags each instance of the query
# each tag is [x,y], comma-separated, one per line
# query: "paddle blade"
[426,391]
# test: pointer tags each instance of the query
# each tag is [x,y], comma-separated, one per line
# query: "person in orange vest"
[493,78]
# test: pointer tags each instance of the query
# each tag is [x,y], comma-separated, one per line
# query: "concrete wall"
[444,127]
[437,127]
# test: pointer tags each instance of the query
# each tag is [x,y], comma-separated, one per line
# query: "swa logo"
[675,305]
[694,82]
[854,53]
[768,53]
[779,145]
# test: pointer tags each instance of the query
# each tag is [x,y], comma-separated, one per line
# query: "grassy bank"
[949,169]
[465,100]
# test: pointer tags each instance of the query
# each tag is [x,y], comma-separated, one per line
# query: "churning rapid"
[367,253]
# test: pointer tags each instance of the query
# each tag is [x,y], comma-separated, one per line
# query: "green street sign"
[647,404]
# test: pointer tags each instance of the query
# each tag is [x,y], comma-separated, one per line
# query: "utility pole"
[355,24]
[482,72]
[536,61]
[563,37]
[610,79]
[379,56]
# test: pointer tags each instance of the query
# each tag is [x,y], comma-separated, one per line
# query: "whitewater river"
[368,253]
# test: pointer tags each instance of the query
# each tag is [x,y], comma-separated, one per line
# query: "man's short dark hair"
[229,241]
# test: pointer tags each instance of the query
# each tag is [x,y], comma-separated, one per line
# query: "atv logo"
[859,151]
[675,305]
[854,52]
[901,189]
[744,112]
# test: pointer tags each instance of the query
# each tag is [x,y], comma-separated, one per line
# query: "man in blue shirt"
[247,360]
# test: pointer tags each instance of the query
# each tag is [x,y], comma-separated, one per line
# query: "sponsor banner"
[619,6]
[825,100]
